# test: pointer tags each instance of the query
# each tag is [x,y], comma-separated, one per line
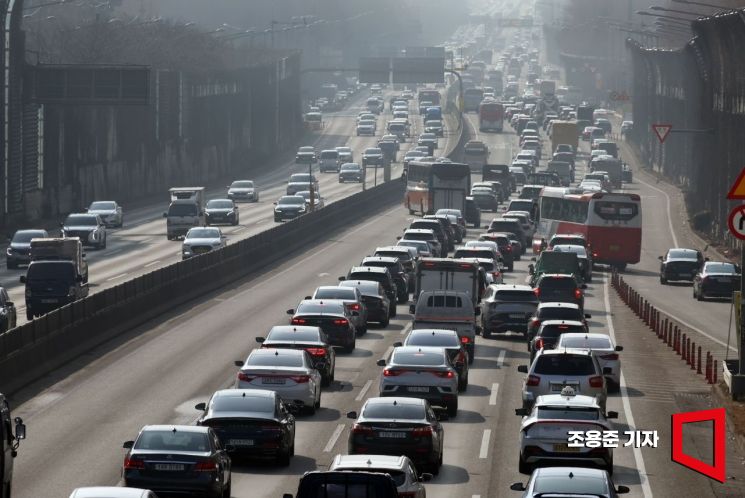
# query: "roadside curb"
[721,398]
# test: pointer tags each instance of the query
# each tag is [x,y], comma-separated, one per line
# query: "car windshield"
[300,177]
[567,413]
[335,293]
[564,364]
[173,440]
[291,199]
[586,342]
[27,235]
[562,313]
[51,271]
[435,340]
[398,411]
[329,154]
[81,220]
[560,485]
[418,358]
[682,254]
[367,288]
[294,335]
[373,151]
[311,308]
[274,360]
[521,206]
[418,236]
[350,167]
[264,404]
[182,210]
[579,250]
[203,233]
[102,206]
[220,204]
[242,184]
[720,268]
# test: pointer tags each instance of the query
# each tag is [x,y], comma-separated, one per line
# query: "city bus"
[491,116]
[611,223]
[429,95]
[432,185]
[472,97]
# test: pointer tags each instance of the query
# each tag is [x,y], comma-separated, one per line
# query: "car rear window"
[378,277]
[720,268]
[272,360]
[682,254]
[173,440]
[564,364]
[290,335]
[557,283]
[515,296]
[574,241]
[505,226]
[398,411]
[560,485]
[435,340]
[420,358]
[521,206]
[329,154]
[335,293]
[473,253]
[444,302]
[586,342]
[326,307]
[560,314]
[403,256]
[263,404]
[554,331]
[566,413]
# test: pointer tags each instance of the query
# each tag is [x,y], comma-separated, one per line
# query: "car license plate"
[558,387]
[169,467]
[565,448]
[49,301]
[417,389]
[516,315]
[395,435]
[684,275]
[723,280]
[201,250]
[273,380]
[241,442]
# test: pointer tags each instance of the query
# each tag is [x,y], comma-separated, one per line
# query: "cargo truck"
[185,211]
[584,113]
[564,132]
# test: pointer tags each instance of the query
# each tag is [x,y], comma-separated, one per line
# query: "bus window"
[616,211]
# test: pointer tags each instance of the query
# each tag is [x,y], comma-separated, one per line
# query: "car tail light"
[537,292]
[596,381]
[342,321]
[594,255]
[425,431]
[535,322]
[245,377]
[533,380]
[300,379]
[316,351]
[465,340]
[508,248]
[132,463]
[577,294]
[391,373]
[445,375]
[361,429]
[539,344]
[354,307]
[205,466]
[610,356]
[298,321]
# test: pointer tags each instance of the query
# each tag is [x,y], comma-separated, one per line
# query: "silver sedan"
[109,211]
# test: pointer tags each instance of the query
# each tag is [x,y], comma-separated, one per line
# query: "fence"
[699,90]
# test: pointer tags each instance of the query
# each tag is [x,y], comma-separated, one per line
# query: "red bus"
[491,116]
[611,223]
[429,95]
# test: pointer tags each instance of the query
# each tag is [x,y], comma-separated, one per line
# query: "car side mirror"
[165,215]
[352,415]
[238,363]
[20,432]
[260,340]
[398,238]
[308,297]
[706,259]
[622,490]
[381,362]
[10,304]
[522,412]
[518,486]
[607,370]
[275,203]
[412,308]
[611,415]
[200,406]
[425,477]
[660,258]
[290,311]
[522,368]
[22,279]
[587,315]
[486,227]
[531,269]
[533,259]
[128,445]
[619,348]
[342,278]
[398,344]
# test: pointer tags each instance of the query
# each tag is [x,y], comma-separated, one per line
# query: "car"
[569,481]
[8,313]
[401,469]
[221,211]
[328,160]
[604,124]
[406,255]
[716,279]
[366,127]
[346,154]
[441,227]
[109,211]
[332,316]
[352,298]
[201,240]
[318,202]
[543,431]
[555,311]
[19,248]
[253,423]
[421,372]
[310,338]
[428,235]
[558,287]
[289,372]
[568,148]
[338,484]
[243,190]
[306,155]
[554,369]
[350,172]
[460,220]
[680,264]
[504,246]
[507,308]
[400,277]
[434,126]
[549,331]
[301,181]
[422,247]
[442,338]
[510,225]
[626,126]
[372,156]
[111,492]
[183,459]
[429,140]
[583,257]
[524,217]
[399,426]
[485,249]
[413,155]
[378,274]
[573,239]
[375,299]
[289,207]
[88,227]
[603,347]
[485,199]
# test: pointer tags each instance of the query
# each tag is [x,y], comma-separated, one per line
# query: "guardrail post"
[684,356]
[714,375]
[693,355]
[677,340]
[708,367]
[698,365]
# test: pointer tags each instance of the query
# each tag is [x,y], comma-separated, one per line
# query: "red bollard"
[714,376]
[677,340]
[685,348]
[693,355]
[698,365]
[708,367]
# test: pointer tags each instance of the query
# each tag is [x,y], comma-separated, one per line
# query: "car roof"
[565,471]
[363,462]
[399,400]
[512,287]
[294,328]
[276,352]
[108,492]
[182,428]
[562,322]
[241,393]
[589,335]
[558,305]
[428,231]
[370,269]
[433,332]
[577,400]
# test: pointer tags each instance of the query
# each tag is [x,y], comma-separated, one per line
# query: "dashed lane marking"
[152,263]
[364,390]
[500,359]
[334,438]
[484,451]
[493,395]
[115,277]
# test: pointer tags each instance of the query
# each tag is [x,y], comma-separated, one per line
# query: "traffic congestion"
[464,342]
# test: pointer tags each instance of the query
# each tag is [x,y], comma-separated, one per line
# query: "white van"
[446,309]
[329,161]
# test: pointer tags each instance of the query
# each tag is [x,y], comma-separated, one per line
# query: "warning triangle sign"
[662,131]
[737,192]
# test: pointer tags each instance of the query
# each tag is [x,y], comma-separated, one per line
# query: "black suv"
[510,225]
[507,308]
[447,243]
[377,274]
[473,212]
[505,247]
[549,333]
[400,277]
[561,288]
[680,264]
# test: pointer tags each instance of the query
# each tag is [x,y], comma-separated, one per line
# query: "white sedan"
[201,240]
[604,349]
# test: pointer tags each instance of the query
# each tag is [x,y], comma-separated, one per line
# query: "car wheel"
[283,459]
[524,467]
[349,349]
[29,315]
[463,383]
[12,266]
[384,323]
[228,490]
[453,408]
[663,280]
[485,333]
[392,311]
[325,380]
[511,267]
[362,330]
[318,401]
[700,296]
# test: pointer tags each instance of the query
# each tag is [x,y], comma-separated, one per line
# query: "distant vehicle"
[87,227]
[201,240]
[351,297]
[318,201]
[432,186]
[448,309]
[372,156]
[472,97]
[434,126]
[344,483]
[109,211]
[603,347]
[306,155]
[476,154]
[491,116]
[221,211]
[716,279]
[375,299]
[329,161]
[289,207]
[400,468]
[243,190]
[51,284]
[350,172]
[111,492]
[680,264]
[301,181]
[346,155]
[9,440]
[185,211]
[167,451]
[575,480]
[332,316]
[19,248]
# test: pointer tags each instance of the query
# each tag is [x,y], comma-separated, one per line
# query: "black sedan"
[221,211]
[399,275]
[178,459]
[399,426]
[680,264]
[485,199]
[8,313]
[252,423]
[332,316]
[716,279]
[312,339]
[374,298]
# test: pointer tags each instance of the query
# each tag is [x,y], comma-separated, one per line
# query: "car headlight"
[9,251]
[277,210]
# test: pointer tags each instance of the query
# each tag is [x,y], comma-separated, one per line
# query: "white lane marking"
[152,263]
[143,241]
[683,322]
[475,496]
[114,251]
[260,222]
[364,390]
[484,451]
[669,217]
[240,229]
[324,274]
[388,353]
[494,392]
[117,276]
[500,359]
[334,438]
[407,328]
[638,458]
